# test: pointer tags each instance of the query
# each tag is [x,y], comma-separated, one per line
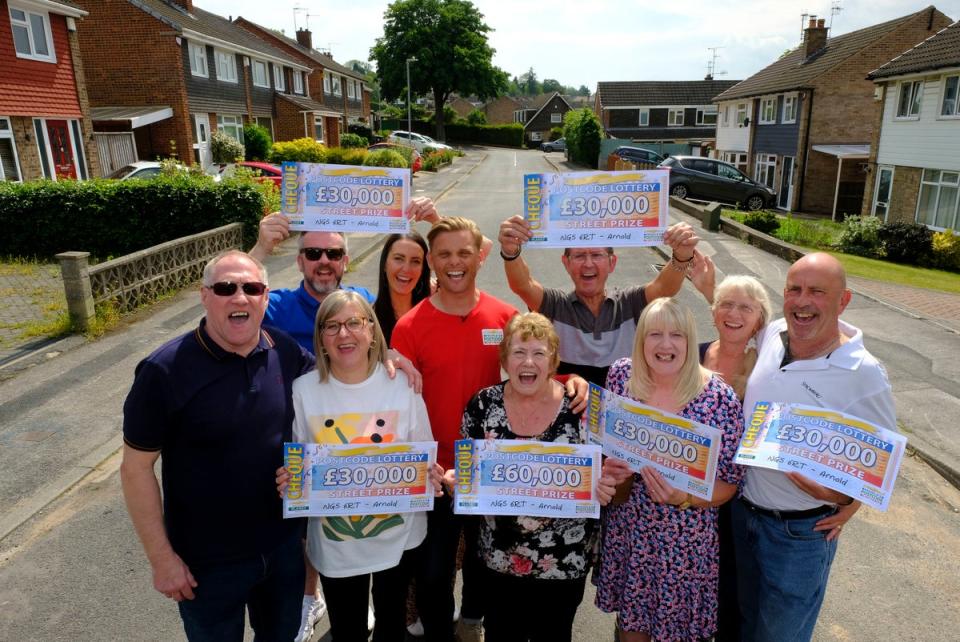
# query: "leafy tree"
[477,117]
[529,83]
[583,91]
[449,40]
[583,133]
[550,85]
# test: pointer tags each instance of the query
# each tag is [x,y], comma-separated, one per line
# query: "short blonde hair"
[455,224]
[750,287]
[331,306]
[531,325]
[667,314]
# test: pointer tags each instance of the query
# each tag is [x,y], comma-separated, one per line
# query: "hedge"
[112,218]
[509,135]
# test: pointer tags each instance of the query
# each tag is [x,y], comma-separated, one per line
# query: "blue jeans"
[270,586]
[782,571]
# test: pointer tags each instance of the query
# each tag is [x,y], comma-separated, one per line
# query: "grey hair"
[211,265]
[341,234]
[749,286]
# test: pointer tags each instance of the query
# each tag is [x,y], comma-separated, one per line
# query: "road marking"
[514,159]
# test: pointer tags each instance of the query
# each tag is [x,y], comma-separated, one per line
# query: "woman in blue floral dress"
[659,550]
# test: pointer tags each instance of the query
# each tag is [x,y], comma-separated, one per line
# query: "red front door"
[59,138]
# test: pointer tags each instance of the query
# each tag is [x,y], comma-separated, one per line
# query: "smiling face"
[233,322]
[528,365]
[455,259]
[737,317]
[589,268]
[323,276]
[404,266]
[349,350]
[665,352]
[814,297]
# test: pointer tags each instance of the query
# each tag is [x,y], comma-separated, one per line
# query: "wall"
[732,138]
[212,95]
[780,138]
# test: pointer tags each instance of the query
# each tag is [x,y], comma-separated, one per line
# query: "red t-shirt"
[457,356]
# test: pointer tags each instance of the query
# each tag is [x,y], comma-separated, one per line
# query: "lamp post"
[409,120]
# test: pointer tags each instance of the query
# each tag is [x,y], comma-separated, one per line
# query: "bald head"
[814,297]
[824,264]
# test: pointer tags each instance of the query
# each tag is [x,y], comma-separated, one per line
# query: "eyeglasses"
[353,324]
[581,257]
[314,253]
[229,288]
[730,306]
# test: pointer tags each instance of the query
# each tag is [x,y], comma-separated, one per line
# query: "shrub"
[352,141]
[257,142]
[946,251]
[808,233]
[910,243]
[556,133]
[224,148]
[361,130]
[302,150]
[476,117]
[860,236]
[385,158]
[583,133]
[762,221]
[345,156]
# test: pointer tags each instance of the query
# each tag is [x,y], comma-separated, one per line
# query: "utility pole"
[409,119]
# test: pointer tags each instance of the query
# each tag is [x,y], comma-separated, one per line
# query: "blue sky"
[585,42]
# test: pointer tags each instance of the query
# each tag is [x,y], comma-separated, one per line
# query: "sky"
[581,43]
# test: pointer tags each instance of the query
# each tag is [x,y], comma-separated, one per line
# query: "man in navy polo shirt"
[216,405]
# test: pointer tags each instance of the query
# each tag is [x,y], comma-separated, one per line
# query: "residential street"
[71,567]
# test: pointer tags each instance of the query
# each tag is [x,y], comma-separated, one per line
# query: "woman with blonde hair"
[658,553]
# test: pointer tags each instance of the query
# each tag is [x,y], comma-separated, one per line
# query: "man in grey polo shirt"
[596,327]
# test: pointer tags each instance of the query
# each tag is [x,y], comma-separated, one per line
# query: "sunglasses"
[229,288]
[314,253]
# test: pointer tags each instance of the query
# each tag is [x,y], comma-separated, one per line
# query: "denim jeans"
[270,586]
[782,570]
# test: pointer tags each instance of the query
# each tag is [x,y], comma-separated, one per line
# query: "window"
[725,116]
[937,205]
[9,165]
[556,117]
[278,80]
[198,59]
[766,169]
[351,93]
[519,116]
[736,159]
[32,37]
[725,171]
[226,65]
[260,78]
[768,110]
[909,104]
[326,83]
[232,126]
[335,81]
[675,117]
[950,105]
[741,114]
[884,188]
[707,115]
[318,128]
[297,82]
[789,114]
[266,123]
[644,117]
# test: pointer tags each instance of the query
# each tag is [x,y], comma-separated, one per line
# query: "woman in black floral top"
[536,567]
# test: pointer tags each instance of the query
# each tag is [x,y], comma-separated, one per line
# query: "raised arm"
[274,228]
[514,232]
[682,240]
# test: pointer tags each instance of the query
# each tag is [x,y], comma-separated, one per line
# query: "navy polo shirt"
[219,421]
[295,312]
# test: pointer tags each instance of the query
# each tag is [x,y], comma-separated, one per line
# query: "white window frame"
[7,134]
[915,87]
[556,117]
[737,159]
[261,78]
[326,83]
[789,116]
[297,82]
[703,112]
[768,110]
[672,120]
[351,93]
[226,63]
[876,191]
[725,116]
[924,182]
[279,81]
[643,119]
[198,59]
[28,25]
[743,113]
[766,167]
[944,99]
[235,124]
[336,86]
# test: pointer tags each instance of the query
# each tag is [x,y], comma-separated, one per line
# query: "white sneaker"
[312,611]
[371,620]
[416,629]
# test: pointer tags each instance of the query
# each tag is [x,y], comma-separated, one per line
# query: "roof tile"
[940,50]
[657,92]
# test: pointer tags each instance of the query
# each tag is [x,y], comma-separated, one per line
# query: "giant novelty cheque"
[597,209]
[683,451]
[839,451]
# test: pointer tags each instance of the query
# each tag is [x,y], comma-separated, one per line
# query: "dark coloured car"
[713,180]
[638,155]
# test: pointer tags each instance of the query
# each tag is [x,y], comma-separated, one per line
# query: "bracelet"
[681,266]
[673,257]
[507,257]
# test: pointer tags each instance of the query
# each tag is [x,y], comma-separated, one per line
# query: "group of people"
[312,364]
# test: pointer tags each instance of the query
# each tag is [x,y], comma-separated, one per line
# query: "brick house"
[500,111]
[461,105]
[338,94]
[803,126]
[677,112]
[45,128]
[162,75]
[915,151]
[539,115]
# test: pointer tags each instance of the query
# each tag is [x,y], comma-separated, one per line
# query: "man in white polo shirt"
[785,525]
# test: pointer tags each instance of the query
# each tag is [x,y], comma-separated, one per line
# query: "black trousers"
[529,609]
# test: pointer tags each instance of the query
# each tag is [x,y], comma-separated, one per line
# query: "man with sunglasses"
[216,404]
[596,327]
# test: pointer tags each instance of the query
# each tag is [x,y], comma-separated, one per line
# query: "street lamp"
[409,120]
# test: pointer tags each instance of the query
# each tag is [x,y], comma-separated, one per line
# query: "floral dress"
[537,547]
[658,564]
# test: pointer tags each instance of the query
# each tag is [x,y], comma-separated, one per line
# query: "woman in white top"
[350,399]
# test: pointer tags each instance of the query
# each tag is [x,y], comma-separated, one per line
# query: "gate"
[116,150]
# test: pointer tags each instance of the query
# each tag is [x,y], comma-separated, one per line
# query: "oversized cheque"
[341,198]
[597,209]
[513,477]
[685,452]
[358,479]
[840,451]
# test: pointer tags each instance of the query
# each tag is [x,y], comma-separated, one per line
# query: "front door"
[785,193]
[61,149]
[881,200]
[201,140]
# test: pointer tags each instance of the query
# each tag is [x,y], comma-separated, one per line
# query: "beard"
[323,288]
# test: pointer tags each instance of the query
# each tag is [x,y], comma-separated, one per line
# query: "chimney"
[305,38]
[186,5]
[814,36]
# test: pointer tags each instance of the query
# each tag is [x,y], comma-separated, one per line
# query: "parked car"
[558,145]
[137,169]
[264,171]
[418,141]
[431,142]
[417,160]
[638,155]
[713,180]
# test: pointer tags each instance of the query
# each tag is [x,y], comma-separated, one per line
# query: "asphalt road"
[75,570]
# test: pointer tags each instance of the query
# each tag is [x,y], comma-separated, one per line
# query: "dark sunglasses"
[229,288]
[314,253]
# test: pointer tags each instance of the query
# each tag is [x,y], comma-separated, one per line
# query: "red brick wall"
[500,111]
[86,126]
[288,125]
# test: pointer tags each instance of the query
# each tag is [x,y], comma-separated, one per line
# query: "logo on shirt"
[492,336]
[809,389]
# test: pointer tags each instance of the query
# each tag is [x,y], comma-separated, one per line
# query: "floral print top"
[538,547]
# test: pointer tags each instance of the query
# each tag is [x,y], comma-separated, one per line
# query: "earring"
[751,344]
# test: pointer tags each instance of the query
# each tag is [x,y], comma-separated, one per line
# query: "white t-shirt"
[848,380]
[381,409]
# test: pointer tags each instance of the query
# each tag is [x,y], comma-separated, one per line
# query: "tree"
[550,85]
[477,117]
[449,40]
[529,83]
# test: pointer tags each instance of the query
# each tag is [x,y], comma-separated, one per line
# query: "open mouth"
[527,378]
[456,276]
[238,318]
[804,318]
[665,357]
[732,326]
[346,348]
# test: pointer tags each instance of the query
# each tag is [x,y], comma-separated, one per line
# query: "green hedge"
[509,135]
[112,218]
